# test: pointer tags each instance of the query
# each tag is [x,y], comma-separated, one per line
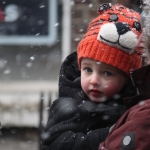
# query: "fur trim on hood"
[145,20]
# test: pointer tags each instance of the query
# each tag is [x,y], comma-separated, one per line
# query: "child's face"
[100,81]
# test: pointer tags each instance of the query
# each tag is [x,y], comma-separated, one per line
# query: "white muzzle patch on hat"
[118,35]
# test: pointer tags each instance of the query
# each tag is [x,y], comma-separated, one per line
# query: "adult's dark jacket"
[75,122]
[132,130]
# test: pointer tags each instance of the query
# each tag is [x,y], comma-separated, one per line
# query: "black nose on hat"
[122,28]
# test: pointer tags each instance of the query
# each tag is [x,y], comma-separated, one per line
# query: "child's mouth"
[95,93]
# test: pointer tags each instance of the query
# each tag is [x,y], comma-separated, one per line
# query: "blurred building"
[30,57]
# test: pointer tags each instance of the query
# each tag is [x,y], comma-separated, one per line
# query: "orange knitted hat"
[111,38]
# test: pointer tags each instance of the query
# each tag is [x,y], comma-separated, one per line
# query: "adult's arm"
[132,131]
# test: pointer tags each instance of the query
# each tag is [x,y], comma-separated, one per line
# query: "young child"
[132,130]
[82,115]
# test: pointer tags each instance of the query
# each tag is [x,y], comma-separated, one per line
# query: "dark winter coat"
[132,131]
[75,122]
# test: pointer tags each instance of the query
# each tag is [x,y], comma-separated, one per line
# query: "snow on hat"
[111,38]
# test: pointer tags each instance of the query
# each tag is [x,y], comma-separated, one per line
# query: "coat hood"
[145,18]
[141,80]
[69,79]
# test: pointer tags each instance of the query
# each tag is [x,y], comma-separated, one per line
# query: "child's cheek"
[84,85]
[111,89]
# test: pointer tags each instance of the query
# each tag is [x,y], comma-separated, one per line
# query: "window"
[28,22]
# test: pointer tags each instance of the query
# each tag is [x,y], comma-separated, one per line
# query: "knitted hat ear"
[104,7]
[111,38]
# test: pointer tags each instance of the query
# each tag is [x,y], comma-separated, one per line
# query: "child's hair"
[111,38]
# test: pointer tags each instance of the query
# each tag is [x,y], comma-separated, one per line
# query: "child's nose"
[95,79]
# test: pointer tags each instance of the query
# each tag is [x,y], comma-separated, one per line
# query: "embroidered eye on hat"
[111,38]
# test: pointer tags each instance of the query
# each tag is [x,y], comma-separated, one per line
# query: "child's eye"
[88,70]
[107,73]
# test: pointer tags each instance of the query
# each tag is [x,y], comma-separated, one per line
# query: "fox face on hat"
[111,38]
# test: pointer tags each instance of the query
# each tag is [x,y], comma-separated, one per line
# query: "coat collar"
[141,80]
